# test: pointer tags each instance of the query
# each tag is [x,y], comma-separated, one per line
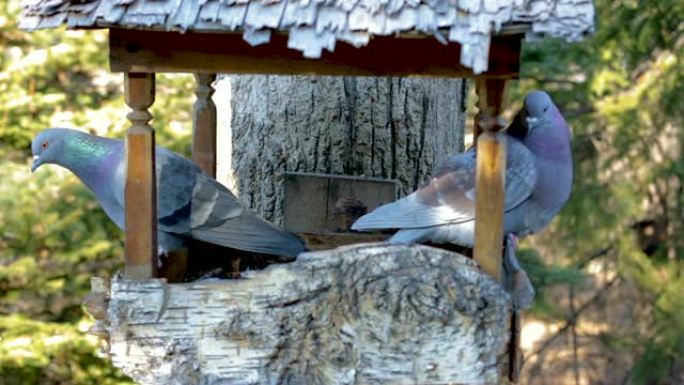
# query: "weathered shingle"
[298,14]
[315,25]
[403,20]
[185,16]
[257,36]
[233,16]
[210,12]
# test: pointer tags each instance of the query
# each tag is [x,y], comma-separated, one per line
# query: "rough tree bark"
[396,128]
[363,314]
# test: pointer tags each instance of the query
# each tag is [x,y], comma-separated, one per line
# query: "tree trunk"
[363,314]
[397,128]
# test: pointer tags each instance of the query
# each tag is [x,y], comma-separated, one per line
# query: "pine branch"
[575,358]
[575,112]
[595,255]
[572,320]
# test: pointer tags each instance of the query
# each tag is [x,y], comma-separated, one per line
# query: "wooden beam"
[156,51]
[492,92]
[204,124]
[490,177]
[140,192]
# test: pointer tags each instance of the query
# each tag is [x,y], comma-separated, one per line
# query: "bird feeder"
[365,327]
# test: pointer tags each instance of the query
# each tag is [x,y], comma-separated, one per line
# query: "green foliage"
[53,238]
[61,78]
[53,235]
[621,92]
[543,276]
[44,353]
[48,76]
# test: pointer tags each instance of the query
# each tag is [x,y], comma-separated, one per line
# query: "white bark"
[364,314]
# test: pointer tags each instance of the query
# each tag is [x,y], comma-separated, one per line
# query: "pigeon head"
[537,109]
[68,148]
[47,146]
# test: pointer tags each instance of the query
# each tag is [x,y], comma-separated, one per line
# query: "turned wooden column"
[140,191]
[490,176]
[204,124]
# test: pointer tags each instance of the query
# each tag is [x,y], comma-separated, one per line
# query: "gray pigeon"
[538,183]
[190,204]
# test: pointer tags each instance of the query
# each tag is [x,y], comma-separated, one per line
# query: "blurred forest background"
[609,272]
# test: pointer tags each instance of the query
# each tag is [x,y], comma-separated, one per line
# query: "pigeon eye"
[546,108]
[45,145]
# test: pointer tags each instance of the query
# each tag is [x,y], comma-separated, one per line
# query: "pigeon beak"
[36,163]
[531,122]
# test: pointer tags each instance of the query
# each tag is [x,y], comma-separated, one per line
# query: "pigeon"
[538,184]
[191,205]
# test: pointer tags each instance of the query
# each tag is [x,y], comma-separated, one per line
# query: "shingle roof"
[314,25]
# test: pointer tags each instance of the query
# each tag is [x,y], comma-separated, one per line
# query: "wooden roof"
[315,25]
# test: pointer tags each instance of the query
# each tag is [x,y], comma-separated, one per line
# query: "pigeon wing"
[190,203]
[218,218]
[450,196]
[195,204]
[177,181]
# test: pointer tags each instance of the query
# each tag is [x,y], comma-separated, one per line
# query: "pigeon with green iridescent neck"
[190,204]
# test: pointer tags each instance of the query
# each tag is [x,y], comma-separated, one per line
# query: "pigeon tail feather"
[409,236]
[407,212]
[250,233]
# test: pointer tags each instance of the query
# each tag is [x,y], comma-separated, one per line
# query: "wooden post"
[140,192]
[204,124]
[490,177]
